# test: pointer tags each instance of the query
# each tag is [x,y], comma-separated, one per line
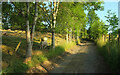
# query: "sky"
[113,6]
[108,5]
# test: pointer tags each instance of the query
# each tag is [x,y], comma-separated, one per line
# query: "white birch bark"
[29,46]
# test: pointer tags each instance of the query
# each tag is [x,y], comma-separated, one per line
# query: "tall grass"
[111,51]
[16,63]
[19,67]
[51,53]
[66,45]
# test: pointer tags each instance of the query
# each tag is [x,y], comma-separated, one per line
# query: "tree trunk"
[34,23]
[29,46]
[53,38]
[67,36]
[54,22]
[77,40]
[70,35]
[84,33]
[118,36]
[53,26]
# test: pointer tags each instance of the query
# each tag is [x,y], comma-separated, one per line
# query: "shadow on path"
[85,59]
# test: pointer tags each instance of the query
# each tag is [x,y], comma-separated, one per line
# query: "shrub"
[37,59]
[55,52]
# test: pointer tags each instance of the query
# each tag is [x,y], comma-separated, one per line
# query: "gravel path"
[84,59]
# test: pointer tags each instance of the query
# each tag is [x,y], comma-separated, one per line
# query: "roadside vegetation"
[109,45]
[13,61]
[110,51]
[64,24]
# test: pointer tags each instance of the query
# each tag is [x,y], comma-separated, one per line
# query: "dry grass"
[13,61]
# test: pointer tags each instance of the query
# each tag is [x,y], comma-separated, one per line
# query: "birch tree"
[29,35]
[55,11]
[29,44]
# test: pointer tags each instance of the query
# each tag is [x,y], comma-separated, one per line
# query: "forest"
[37,36]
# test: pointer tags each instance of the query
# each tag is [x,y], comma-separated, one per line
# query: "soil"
[83,58]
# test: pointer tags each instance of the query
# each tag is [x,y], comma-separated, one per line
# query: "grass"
[49,54]
[111,52]
[54,52]
[66,45]
[13,62]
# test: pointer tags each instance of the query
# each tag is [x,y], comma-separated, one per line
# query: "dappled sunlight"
[73,56]
[85,59]
[37,52]
[16,33]
[15,43]
[38,37]
[7,50]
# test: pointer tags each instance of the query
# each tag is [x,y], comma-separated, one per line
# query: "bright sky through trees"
[113,6]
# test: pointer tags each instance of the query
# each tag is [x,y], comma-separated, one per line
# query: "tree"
[29,35]
[6,14]
[55,11]
[91,7]
[25,14]
[71,19]
[29,44]
[113,23]
[34,23]
[97,29]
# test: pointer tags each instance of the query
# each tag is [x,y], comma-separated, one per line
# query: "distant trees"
[97,29]
[96,26]
[71,20]
[112,19]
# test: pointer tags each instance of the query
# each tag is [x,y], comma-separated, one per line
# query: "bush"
[55,52]
[67,46]
[37,59]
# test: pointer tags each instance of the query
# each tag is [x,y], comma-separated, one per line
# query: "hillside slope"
[14,48]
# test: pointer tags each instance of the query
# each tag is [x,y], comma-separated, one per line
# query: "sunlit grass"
[66,45]
[14,63]
[52,53]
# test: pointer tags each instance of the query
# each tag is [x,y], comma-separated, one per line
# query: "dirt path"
[84,59]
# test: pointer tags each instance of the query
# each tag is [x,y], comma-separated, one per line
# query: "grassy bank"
[111,52]
[13,61]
